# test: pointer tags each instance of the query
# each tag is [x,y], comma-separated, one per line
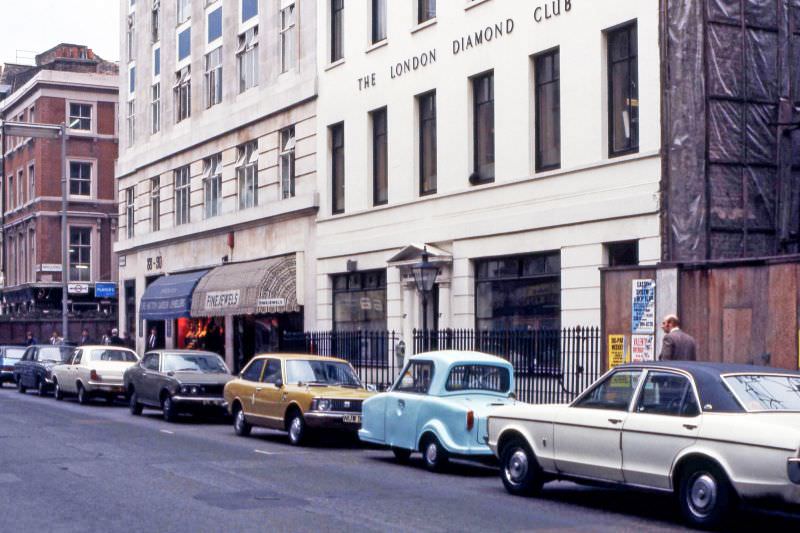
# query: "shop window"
[380,160]
[427,143]
[623,91]
[80,254]
[622,253]
[214,77]
[518,292]
[359,301]
[288,37]
[483,128]
[548,110]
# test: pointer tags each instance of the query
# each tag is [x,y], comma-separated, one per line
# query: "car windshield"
[123,356]
[488,378]
[190,362]
[58,354]
[764,392]
[14,353]
[321,372]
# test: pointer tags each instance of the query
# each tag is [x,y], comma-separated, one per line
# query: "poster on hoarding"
[643,348]
[643,306]
[616,350]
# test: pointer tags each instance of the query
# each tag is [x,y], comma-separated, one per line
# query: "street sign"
[78,288]
[105,289]
[50,267]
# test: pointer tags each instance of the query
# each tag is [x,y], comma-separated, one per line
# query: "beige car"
[296,393]
[93,371]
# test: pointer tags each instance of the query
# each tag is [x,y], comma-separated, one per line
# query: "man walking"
[677,345]
[85,339]
[30,340]
[114,339]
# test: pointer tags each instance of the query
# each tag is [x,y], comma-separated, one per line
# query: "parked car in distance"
[712,434]
[93,371]
[438,406]
[9,355]
[33,370]
[296,393]
[177,381]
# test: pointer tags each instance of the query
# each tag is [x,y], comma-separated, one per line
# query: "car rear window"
[488,378]
[114,355]
[764,392]
[14,353]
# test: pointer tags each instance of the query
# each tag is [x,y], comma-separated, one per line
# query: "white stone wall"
[591,200]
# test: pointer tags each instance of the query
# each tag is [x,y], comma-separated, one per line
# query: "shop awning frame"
[248,288]
[169,297]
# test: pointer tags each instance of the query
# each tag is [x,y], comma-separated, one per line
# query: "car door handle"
[615,421]
[690,426]
[259,389]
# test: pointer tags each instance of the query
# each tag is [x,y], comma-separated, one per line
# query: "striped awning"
[254,287]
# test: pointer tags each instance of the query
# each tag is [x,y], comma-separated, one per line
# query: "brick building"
[68,83]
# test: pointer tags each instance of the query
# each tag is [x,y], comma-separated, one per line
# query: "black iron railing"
[550,366]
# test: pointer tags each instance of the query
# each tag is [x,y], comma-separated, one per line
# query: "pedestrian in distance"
[114,339]
[152,339]
[55,338]
[677,345]
[30,340]
[85,339]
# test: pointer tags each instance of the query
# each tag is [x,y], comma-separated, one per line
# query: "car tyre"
[41,387]
[401,455]
[83,396]
[134,405]
[240,425]
[434,455]
[170,410]
[58,393]
[20,387]
[705,496]
[297,429]
[520,470]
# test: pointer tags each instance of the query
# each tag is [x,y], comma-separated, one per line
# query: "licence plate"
[351,419]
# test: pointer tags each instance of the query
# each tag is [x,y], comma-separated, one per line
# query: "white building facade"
[517,141]
[216,173]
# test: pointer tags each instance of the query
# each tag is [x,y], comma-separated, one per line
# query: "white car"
[93,371]
[709,433]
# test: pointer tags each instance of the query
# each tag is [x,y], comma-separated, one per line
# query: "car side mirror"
[279,384]
[512,396]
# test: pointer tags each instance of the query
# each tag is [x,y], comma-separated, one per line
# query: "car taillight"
[470,420]
[94,376]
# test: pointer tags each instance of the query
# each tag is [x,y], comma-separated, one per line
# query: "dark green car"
[177,381]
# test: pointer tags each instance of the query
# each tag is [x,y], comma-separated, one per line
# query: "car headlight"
[321,404]
[184,389]
[194,390]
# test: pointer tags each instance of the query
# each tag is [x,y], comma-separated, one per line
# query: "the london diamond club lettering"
[541,13]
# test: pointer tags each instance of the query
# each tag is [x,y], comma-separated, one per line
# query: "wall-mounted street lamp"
[425,274]
[49,131]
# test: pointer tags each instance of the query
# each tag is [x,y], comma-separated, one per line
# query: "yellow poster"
[616,350]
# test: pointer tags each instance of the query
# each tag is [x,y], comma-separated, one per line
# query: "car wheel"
[41,387]
[58,394]
[297,429]
[134,405]
[434,455]
[240,425]
[705,496]
[519,469]
[83,396]
[401,455]
[169,408]
[20,387]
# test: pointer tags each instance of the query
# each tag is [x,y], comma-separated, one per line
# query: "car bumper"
[346,421]
[105,388]
[200,401]
[6,375]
